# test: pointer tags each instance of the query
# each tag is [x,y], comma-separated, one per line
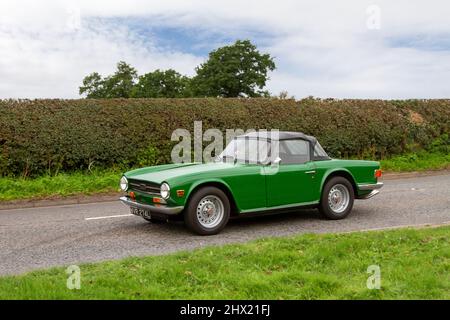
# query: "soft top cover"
[288,135]
[282,135]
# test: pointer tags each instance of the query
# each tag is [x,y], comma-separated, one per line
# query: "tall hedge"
[48,136]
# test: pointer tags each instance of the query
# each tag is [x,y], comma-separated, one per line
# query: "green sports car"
[256,173]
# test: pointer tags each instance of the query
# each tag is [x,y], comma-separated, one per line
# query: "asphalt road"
[38,238]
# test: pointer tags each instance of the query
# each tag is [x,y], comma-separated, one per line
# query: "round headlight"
[165,191]
[124,184]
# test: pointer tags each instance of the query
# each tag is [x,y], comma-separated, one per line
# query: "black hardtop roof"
[282,135]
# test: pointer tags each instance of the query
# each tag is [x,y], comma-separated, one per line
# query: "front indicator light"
[159,200]
[180,193]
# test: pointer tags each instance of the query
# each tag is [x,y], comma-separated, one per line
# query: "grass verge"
[64,184]
[420,161]
[414,264]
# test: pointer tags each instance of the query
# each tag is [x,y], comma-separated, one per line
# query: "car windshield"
[248,150]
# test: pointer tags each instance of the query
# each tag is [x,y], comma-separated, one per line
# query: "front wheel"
[337,199]
[208,211]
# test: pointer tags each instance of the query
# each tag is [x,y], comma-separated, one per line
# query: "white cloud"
[322,48]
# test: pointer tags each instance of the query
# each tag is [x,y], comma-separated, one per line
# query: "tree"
[234,71]
[121,83]
[162,84]
[118,85]
[238,70]
[93,86]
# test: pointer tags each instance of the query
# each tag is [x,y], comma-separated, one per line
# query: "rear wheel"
[337,199]
[208,211]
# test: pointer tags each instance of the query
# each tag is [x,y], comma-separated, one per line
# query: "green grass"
[415,264]
[64,184]
[436,157]
[419,161]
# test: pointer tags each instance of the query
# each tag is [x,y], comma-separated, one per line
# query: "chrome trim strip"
[152,208]
[373,186]
[370,195]
[286,206]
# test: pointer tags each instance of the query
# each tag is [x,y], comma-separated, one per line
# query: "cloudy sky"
[341,49]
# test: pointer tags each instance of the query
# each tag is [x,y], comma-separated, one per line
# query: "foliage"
[440,145]
[93,86]
[50,136]
[234,71]
[118,85]
[148,157]
[414,264]
[231,71]
[162,84]
[418,161]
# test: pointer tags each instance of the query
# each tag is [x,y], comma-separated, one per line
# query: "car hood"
[160,174]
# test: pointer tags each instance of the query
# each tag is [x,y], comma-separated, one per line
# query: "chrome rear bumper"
[374,187]
[161,209]
[369,195]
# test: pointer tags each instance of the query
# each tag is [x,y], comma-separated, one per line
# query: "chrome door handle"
[311,172]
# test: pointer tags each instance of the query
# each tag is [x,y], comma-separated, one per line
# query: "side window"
[294,151]
[319,153]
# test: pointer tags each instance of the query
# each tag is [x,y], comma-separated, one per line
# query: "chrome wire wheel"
[210,211]
[338,198]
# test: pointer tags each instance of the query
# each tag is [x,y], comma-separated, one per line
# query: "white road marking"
[108,217]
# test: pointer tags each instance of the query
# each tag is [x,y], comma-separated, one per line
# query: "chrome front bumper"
[161,209]
[374,187]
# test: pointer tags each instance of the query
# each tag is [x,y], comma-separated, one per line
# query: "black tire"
[154,220]
[325,208]
[191,218]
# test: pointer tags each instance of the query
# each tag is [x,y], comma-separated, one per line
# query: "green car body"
[250,187]
[251,190]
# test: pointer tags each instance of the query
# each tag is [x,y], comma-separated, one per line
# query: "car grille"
[144,186]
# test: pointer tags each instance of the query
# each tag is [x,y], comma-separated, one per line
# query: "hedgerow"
[50,136]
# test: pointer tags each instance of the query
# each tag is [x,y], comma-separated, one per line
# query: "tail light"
[378,173]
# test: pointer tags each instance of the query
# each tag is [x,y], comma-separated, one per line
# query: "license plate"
[141,212]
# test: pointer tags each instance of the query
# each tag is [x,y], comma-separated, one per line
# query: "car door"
[245,177]
[293,182]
